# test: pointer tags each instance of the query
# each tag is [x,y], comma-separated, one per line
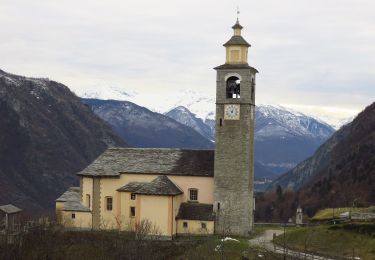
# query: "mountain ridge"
[144,128]
[52,137]
[342,169]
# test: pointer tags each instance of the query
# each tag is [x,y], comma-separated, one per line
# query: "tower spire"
[238,13]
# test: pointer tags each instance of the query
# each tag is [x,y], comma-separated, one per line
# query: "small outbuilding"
[10,218]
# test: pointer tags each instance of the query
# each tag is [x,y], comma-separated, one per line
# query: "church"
[177,191]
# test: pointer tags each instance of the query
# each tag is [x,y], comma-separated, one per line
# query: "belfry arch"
[233,87]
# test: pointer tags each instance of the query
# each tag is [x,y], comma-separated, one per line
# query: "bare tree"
[146,229]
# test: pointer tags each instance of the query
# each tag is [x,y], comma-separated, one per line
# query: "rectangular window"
[193,194]
[88,201]
[73,215]
[185,224]
[132,212]
[109,203]
[132,196]
[203,225]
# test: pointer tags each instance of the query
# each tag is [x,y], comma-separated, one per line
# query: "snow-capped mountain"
[283,136]
[182,115]
[144,128]
[278,121]
[202,105]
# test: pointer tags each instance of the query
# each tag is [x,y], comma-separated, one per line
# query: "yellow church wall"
[87,184]
[59,209]
[195,227]
[119,216]
[205,186]
[81,220]
[126,221]
[157,210]
[176,206]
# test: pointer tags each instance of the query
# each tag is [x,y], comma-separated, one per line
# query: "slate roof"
[72,194]
[235,67]
[132,186]
[236,40]
[196,211]
[162,185]
[72,200]
[237,25]
[115,161]
[10,209]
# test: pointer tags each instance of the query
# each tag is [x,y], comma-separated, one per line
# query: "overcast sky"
[308,53]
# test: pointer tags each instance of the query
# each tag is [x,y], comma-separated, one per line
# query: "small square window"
[132,212]
[193,194]
[203,225]
[132,196]
[73,215]
[109,203]
[185,224]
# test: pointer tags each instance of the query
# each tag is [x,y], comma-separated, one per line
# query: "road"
[265,241]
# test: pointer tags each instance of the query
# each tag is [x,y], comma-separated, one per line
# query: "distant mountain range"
[340,173]
[141,127]
[183,115]
[46,136]
[350,152]
[282,138]
[200,103]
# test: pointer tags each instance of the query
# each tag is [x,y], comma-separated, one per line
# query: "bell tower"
[234,152]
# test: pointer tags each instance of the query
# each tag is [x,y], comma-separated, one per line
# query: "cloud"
[308,52]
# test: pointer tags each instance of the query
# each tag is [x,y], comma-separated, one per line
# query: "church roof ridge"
[116,161]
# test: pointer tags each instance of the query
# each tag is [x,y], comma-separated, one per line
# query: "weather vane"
[238,11]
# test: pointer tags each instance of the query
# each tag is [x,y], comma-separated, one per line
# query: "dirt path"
[265,240]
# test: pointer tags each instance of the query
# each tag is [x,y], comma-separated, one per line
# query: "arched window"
[233,87]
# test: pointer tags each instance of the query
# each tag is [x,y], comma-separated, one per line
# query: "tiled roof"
[196,211]
[236,40]
[162,185]
[72,201]
[115,161]
[10,209]
[132,186]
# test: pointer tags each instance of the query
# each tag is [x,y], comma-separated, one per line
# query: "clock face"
[232,112]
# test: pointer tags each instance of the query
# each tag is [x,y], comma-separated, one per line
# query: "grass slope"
[326,214]
[337,241]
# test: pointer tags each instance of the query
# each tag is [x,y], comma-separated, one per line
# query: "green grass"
[336,240]
[216,249]
[327,213]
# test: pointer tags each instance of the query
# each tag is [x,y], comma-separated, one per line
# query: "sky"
[310,54]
